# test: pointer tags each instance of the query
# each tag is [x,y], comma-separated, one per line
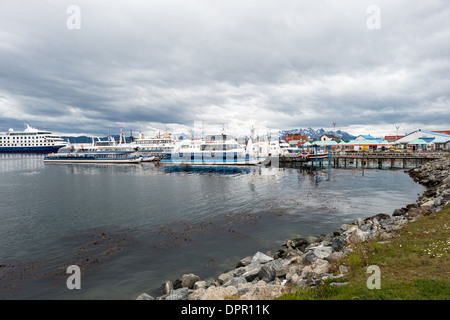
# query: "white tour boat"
[216,150]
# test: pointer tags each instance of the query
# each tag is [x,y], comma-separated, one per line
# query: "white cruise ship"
[30,140]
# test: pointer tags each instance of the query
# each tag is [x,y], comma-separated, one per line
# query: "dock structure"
[384,159]
[367,159]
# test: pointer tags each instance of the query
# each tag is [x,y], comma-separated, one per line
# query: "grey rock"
[244,262]
[179,294]
[378,217]
[311,239]
[267,273]
[295,243]
[338,243]
[200,285]
[239,271]
[145,296]
[166,287]
[358,222]
[328,238]
[235,281]
[188,280]
[177,284]
[252,271]
[260,257]
[321,266]
[309,257]
[276,264]
[398,212]
[446,180]
[335,257]
[224,277]
[358,236]
[428,204]
[338,284]
[343,269]
[322,252]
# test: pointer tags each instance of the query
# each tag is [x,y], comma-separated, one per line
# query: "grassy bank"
[414,265]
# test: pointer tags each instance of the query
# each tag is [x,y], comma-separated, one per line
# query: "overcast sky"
[273,64]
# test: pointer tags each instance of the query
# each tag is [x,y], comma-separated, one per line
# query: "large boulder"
[260,258]
[267,273]
[252,271]
[322,252]
[189,280]
[418,212]
[357,236]
[338,243]
[320,267]
[398,212]
[235,282]
[224,277]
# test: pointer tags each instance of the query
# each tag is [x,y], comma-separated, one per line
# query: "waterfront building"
[329,137]
[436,140]
[364,137]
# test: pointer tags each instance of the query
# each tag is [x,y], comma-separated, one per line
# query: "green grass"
[414,265]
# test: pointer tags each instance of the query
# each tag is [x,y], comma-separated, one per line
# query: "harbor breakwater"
[306,262]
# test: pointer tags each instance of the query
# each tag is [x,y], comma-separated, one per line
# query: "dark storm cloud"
[277,64]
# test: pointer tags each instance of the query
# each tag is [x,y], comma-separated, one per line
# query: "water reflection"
[315,175]
[19,162]
[223,170]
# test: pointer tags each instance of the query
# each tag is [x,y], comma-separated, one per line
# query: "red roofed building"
[392,138]
[444,132]
[295,136]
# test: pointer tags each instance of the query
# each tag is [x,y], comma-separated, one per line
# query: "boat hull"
[210,163]
[314,157]
[112,161]
[46,149]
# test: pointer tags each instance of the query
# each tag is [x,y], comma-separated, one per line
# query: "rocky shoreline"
[305,262]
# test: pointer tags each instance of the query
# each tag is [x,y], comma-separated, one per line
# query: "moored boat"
[94,157]
[313,155]
[214,150]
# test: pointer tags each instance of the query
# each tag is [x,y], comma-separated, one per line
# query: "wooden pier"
[367,159]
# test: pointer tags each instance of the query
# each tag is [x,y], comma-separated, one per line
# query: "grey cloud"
[299,63]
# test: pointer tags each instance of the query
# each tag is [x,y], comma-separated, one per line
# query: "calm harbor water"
[131,227]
